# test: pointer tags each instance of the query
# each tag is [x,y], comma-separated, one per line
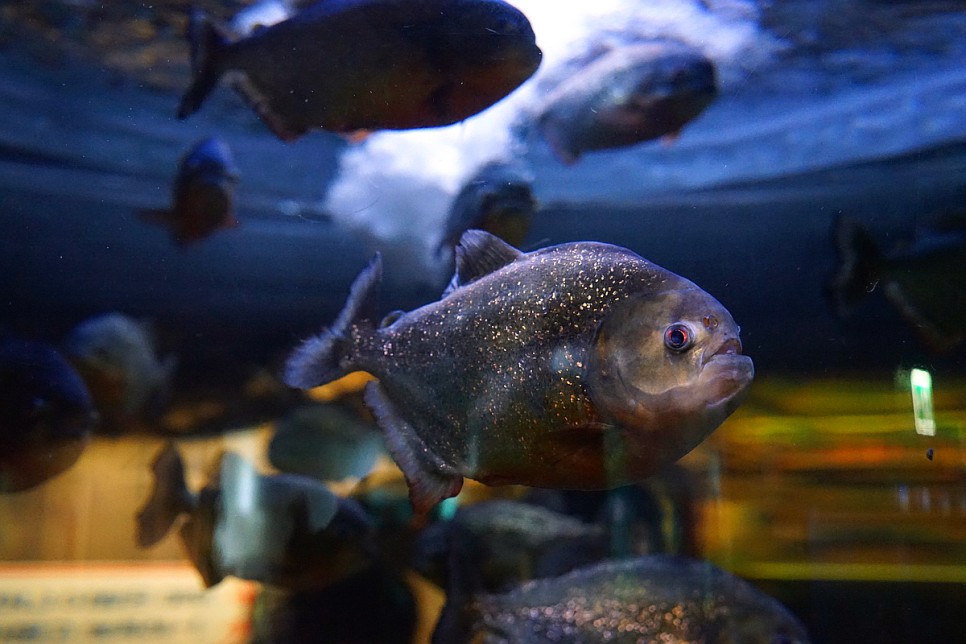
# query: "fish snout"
[729,346]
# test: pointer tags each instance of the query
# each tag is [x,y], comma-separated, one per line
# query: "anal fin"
[430,480]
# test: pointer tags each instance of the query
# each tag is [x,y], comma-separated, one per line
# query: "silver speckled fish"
[579,366]
[648,599]
[351,65]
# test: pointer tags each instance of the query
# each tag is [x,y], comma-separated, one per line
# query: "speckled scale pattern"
[483,374]
[649,599]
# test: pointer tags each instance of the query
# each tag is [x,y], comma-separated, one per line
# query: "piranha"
[655,598]
[203,195]
[497,544]
[925,280]
[578,366]
[117,358]
[358,65]
[325,442]
[498,199]
[46,414]
[285,530]
[624,96]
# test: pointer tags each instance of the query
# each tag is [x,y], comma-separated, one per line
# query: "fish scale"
[547,369]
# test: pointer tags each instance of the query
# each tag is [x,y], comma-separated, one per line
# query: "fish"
[375,605]
[117,358]
[351,66]
[325,442]
[47,414]
[498,199]
[657,515]
[285,530]
[924,280]
[624,96]
[501,543]
[655,598]
[203,195]
[577,366]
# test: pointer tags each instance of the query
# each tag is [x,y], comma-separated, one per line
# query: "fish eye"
[678,337]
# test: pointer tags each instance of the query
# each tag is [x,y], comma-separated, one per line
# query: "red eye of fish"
[678,337]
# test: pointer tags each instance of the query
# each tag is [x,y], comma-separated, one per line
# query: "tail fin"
[169,498]
[323,358]
[206,41]
[860,265]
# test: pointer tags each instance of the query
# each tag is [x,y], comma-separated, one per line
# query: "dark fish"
[925,281]
[116,357]
[373,606]
[625,96]
[46,414]
[498,199]
[325,442]
[647,599]
[355,65]
[657,515]
[579,366]
[203,194]
[284,530]
[499,544]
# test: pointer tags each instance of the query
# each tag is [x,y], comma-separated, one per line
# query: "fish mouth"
[730,347]
[726,374]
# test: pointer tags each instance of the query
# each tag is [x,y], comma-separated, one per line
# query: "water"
[818,490]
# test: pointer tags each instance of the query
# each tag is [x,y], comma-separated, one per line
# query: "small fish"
[647,599]
[203,194]
[46,414]
[624,96]
[359,65]
[325,442]
[579,366]
[116,357]
[925,281]
[284,530]
[498,199]
[498,544]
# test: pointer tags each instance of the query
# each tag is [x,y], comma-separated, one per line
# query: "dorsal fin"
[479,253]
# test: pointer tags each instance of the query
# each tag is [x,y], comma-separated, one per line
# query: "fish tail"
[860,265]
[207,41]
[326,357]
[169,498]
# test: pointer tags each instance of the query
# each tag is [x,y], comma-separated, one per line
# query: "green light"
[921,383]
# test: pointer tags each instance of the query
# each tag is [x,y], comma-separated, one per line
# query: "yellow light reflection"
[347,384]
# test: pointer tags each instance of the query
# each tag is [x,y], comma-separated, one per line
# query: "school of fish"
[570,368]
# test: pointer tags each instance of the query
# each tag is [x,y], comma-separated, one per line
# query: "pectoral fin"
[430,480]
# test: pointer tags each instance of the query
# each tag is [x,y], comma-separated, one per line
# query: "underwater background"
[822,489]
